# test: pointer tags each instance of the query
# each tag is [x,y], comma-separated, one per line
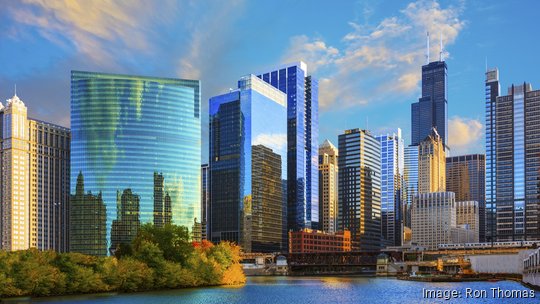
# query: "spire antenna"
[441,55]
[15,89]
[427,48]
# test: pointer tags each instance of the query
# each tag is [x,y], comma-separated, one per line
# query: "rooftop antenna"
[441,54]
[367,123]
[427,48]
[15,89]
[486,65]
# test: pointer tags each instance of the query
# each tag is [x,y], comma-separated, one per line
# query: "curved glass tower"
[137,135]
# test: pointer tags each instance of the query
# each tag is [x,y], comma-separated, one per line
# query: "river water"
[296,290]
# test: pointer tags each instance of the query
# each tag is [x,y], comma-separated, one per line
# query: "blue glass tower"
[141,134]
[248,162]
[392,194]
[410,176]
[431,110]
[302,143]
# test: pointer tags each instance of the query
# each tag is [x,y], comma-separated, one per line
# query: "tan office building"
[328,186]
[431,164]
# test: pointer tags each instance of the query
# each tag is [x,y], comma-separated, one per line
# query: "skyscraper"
[392,184]
[328,186]
[302,142]
[411,181]
[431,110]
[433,217]
[465,176]
[513,165]
[248,161]
[205,201]
[360,188]
[34,157]
[125,129]
[431,164]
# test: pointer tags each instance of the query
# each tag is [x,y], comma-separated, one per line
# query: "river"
[296,290]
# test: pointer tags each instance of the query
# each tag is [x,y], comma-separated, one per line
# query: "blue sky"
[366,54]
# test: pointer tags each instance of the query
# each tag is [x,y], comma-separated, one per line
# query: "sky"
[367,55]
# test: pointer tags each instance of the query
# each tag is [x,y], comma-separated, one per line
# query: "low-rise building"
[310,241]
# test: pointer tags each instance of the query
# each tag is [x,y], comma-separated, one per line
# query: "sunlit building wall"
[328,186]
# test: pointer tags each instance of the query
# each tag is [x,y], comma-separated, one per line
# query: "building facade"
[205,201]
[392,187]
[302,93]
[431,164]
[360,188]
[35,160]
[433,216]
[410,177]
[468,216]
[248,161]
[513,165]
[328,186]
[138,133]
[466,177]
[313,241]
[431,110]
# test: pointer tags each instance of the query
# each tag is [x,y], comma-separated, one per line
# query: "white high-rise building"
[34,181]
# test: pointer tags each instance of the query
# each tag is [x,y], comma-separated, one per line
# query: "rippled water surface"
[294,290]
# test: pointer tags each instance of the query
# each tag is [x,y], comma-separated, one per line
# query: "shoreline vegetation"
[157,259]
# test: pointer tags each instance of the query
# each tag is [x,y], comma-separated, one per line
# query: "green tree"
[172,240]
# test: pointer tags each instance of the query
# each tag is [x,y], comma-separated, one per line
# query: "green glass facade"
[137,133]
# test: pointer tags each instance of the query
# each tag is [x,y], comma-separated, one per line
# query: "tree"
[172,240]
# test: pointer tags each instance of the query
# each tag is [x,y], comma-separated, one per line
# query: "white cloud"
[465,135]
[378,63]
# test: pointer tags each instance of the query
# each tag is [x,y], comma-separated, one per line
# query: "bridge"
[352,262]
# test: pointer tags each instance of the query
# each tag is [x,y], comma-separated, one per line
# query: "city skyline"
[329,48]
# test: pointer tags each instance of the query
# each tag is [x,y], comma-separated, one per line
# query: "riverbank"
[158,258]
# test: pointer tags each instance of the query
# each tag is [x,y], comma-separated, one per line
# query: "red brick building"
[309,240]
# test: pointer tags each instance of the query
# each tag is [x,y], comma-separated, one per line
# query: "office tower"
[88,221]
[162,202]
[410,176]
[431,110]
[433,216]
[392,184]
[248,161]
[465,176]
[492,88]
[141,133]
[205,201]
[360,188]
[302,93]
[35,185]
[126,225]
[431,164]
[328,186]
[513,165]
[468,215]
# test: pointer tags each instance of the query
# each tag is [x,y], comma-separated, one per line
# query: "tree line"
[158,258]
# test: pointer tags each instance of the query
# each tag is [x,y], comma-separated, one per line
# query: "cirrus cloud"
[378,63]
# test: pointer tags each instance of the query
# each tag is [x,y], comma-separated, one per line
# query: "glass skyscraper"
[410,176]
[431,110]
[392,184]
[302,93]
[512,162]
[141,134]
[360,188]
[248,161]
[465,176]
